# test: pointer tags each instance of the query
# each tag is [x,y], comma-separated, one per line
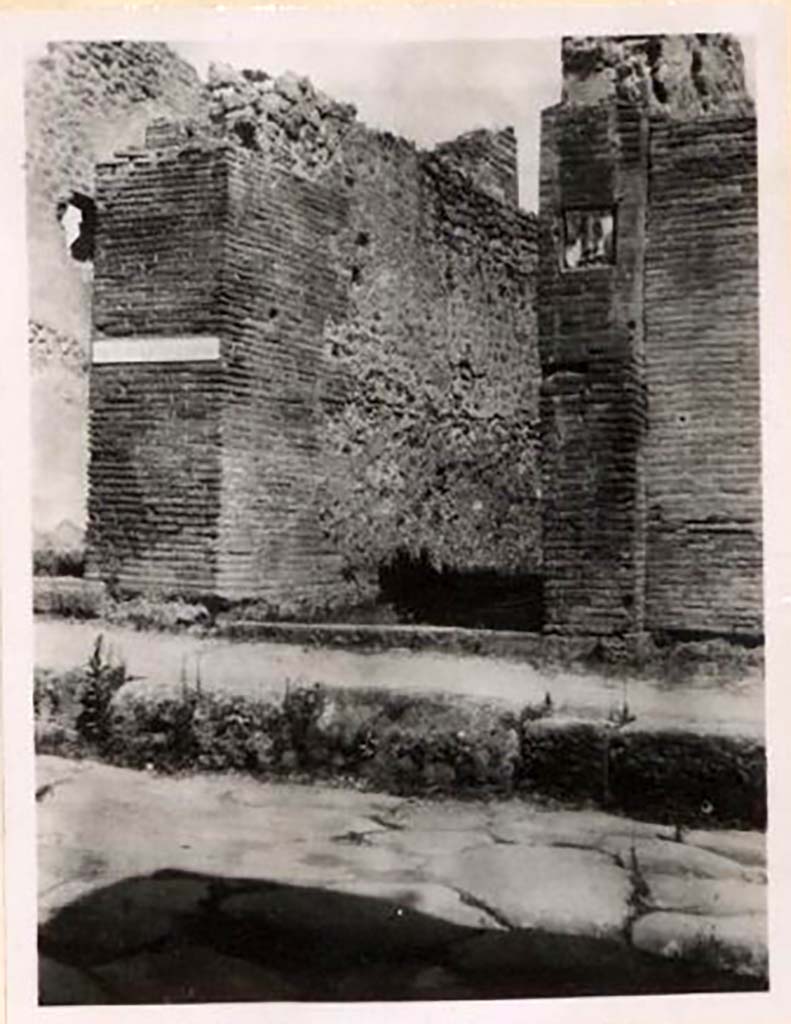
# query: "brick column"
[593,178]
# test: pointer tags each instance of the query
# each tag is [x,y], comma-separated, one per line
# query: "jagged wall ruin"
[376,392]
[377,379]
[82,102]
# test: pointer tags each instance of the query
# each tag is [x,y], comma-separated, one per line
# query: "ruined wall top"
[285,117]
[488,158]
[683,76]
[302,129]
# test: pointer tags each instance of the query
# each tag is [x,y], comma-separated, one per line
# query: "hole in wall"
[356,275]
[77,217]
[659,88]
[246,133]
[465,370]
[362,238]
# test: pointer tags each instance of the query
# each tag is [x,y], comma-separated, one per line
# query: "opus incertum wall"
[316,347]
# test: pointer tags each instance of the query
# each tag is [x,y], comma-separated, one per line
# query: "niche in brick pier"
[588,238]
[77,217]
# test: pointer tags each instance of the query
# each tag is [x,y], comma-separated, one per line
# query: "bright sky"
[425,91]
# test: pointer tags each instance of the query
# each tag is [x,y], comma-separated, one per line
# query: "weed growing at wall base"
[402,743]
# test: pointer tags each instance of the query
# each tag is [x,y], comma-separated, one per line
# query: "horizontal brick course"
[703,447]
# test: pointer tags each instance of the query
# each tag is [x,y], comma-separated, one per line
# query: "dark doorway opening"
[475,599]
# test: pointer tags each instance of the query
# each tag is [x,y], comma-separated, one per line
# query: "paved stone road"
[155,889]
[256,667]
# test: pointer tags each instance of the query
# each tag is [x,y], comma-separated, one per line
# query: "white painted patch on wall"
[187,348]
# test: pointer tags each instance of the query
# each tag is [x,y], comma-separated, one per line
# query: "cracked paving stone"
[427,897]
[586,828]
[748,848]
[62,985]
[431,843]
[323,861]
[662,857]
[330,923]
[193,974]
[571,891]
[711,896]
[123,918]
[447,816]
[735,943]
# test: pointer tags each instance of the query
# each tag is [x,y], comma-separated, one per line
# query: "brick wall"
[703,449]
[592,397]
[377,393]
[155,428]
[651,394]
[377,383]
[155,476]
[281,285]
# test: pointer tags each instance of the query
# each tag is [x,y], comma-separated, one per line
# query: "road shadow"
[180,937]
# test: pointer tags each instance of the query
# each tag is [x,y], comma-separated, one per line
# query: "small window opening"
[77,216]
[588,238]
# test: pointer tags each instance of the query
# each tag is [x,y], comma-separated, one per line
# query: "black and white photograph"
[397,555]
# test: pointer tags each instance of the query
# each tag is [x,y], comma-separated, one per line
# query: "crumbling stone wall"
[488,158]
[434,444]
[378,370]
[429,393]
[679,75]
[82,101]
[294,125]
